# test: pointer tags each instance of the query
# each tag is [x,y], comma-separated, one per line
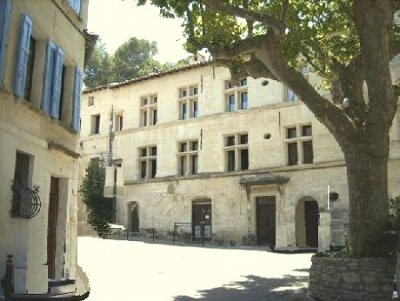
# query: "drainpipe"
[110,158]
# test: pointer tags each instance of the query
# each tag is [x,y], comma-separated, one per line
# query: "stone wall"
[344,279]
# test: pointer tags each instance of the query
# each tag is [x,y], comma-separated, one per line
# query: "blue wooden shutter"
[76,106]
[57,83]
[22,58]
[77,6]
[48,77]
[5,12]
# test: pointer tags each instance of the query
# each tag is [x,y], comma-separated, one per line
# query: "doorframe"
[262,192]
[202,201]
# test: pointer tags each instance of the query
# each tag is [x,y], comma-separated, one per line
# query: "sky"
[118,20]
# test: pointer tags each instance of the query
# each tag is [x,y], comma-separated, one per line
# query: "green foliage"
[91,191]
[98,70]
[133,58]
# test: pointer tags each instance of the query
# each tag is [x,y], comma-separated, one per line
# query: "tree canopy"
[349,44]
[91,191]
[134,58]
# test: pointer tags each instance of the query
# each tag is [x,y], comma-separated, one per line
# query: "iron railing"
[25,202]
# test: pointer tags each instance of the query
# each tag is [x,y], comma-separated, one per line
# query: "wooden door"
[265,220]
[134,226]
[311,215]
[52,226]
[201,213]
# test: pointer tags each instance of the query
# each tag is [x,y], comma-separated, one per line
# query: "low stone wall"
[345,279]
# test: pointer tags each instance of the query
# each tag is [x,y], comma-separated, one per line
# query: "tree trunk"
[367,174]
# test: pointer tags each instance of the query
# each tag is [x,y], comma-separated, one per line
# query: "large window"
[29,69]
[236,97]
[188,157]
[236,152]
[148,110]
[188,102]
[147,162]
[299,145]
[75,5]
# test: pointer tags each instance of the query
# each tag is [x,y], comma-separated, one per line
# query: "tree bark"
[367,175]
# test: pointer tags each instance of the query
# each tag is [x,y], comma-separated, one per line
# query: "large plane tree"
[349,44]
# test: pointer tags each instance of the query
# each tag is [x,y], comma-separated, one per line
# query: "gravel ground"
[129,270]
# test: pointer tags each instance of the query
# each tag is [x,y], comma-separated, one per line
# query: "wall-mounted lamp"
[267,136]
[264,83]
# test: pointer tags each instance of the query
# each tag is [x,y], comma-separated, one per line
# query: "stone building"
[249,161]
[42,54]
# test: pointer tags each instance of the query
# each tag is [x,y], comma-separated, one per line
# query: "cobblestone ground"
[128,270]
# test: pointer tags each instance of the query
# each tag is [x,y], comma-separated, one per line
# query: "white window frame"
[236,91]
[299,140]
[148,105]
[148,158]
[188,156]
[237,147]
[188,96]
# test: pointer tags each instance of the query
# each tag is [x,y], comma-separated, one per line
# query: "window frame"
[188,101]
[188,157]
[233,95]
[149,160]
[233,143]
[148,110]
[298,139]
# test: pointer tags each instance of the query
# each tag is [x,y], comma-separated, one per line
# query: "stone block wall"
[344,279]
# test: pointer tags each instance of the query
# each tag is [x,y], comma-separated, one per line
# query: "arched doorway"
[133,217]
[307,221]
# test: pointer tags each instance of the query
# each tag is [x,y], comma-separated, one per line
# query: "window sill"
[31,107]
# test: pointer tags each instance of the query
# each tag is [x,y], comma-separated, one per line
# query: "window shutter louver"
[76,108]
[5,12]
[57,82]
[48,77]
[22,58]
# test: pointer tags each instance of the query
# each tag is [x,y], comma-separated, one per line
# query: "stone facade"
[42,52]
[343,279]
[243,191]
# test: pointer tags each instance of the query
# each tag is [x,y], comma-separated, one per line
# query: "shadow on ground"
[256,288]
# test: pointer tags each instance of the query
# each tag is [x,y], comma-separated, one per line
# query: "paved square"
[128,270]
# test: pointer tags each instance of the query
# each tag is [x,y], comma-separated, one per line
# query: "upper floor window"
[236,96]
[75,5]
[147,162]
[91,101]
[188,102]
[119,121]
[95,124]
[188,157]
[236,152]
[299,145]
[5,14]
[148,110]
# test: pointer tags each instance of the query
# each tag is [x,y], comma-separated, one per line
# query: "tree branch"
[284,11]
[334,118]
[246,46]
[247,14]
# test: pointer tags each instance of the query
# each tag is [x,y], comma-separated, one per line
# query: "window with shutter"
[57,83]
[48,77]
[22,56]
[5,12]
[76,107]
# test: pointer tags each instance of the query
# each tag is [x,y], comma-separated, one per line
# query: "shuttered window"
[53,80]
[76,101]
[22,55]
[5,12]
[75,5]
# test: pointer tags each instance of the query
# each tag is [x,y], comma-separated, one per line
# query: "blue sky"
[116,21]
